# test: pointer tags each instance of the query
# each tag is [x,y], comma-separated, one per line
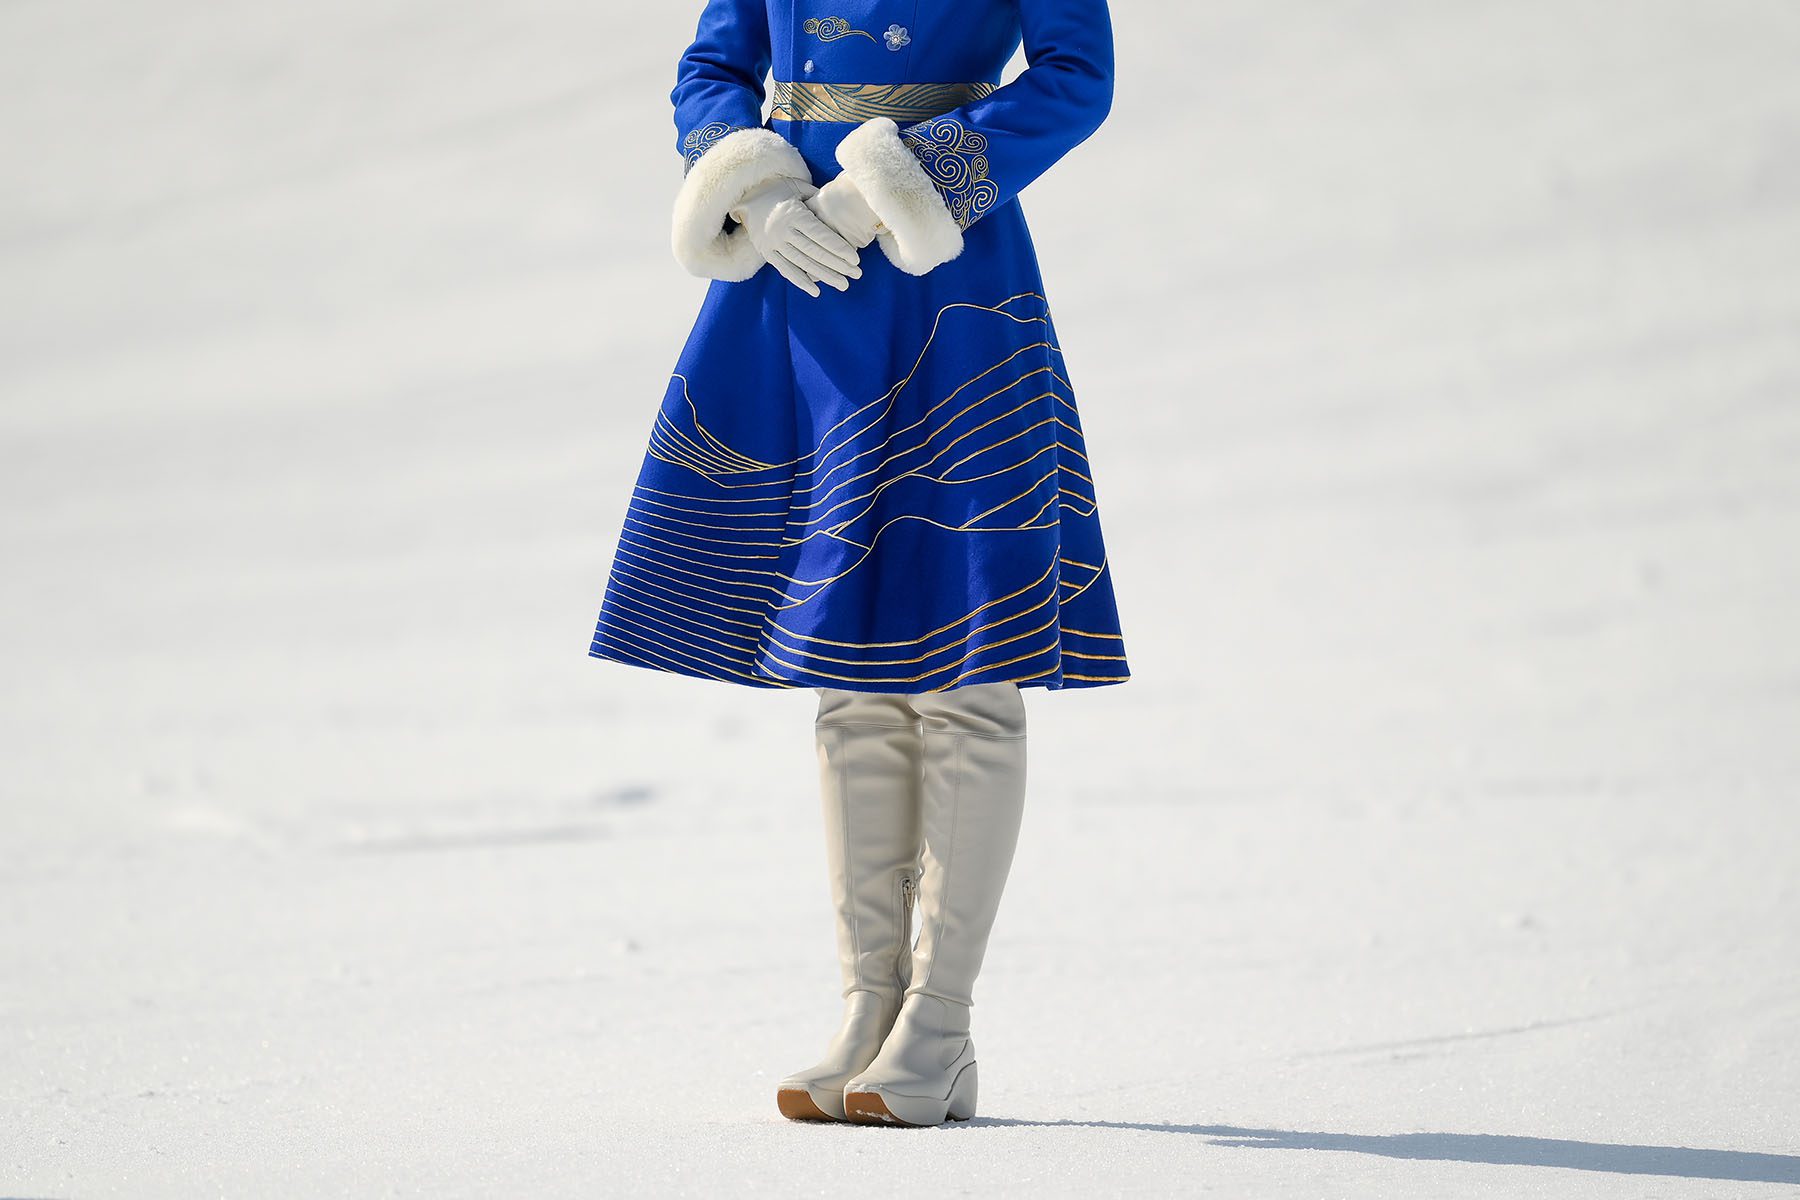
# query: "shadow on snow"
[1497,1149]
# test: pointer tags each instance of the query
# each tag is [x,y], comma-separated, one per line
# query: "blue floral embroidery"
[700,140]
[896,36]
[955,157]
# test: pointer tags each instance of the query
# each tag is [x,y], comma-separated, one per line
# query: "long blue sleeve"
[982,153]
[719,81]
[726,151]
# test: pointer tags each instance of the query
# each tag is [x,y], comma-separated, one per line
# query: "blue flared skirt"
[881,490]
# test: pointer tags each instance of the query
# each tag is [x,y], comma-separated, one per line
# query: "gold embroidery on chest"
[830,29]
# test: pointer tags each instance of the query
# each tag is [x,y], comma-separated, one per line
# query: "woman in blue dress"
[868,477]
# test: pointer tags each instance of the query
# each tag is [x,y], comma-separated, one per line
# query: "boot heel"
[962,1095]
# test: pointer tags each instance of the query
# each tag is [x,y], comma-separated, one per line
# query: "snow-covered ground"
[1441,367]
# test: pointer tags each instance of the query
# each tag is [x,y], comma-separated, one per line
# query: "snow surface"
[1441,365]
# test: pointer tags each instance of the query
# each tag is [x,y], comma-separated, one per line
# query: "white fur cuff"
[921,233]
[735,166]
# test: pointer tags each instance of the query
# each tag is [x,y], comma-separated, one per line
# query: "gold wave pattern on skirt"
[697,585]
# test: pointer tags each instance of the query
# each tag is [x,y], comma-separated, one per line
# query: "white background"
[1440,365]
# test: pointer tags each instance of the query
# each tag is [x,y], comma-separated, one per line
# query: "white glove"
[840,204]
[793,240]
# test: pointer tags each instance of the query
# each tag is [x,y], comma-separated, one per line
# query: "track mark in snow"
[1451,1038]
[470,839]
[627,795]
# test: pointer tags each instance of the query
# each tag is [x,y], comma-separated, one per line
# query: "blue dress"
[885,489]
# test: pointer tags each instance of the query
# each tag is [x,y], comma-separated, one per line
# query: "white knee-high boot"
[870,774]
[974,800]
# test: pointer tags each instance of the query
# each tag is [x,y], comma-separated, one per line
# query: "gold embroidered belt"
[854,103]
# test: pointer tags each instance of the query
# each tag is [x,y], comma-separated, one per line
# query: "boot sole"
[867,1108]
[872,1108]
[797,1104]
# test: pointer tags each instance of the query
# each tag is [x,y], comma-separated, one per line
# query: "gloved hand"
[793,240]
[840,204]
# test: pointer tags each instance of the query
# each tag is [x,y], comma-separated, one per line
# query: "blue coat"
[885,489]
